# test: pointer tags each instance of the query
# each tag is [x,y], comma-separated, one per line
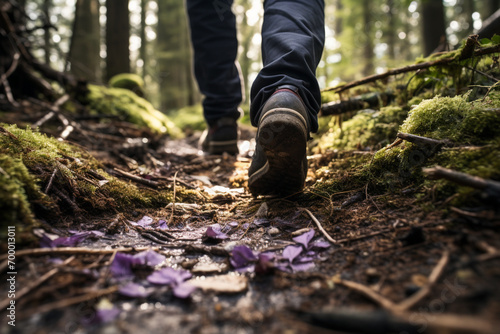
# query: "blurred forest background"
[96,39]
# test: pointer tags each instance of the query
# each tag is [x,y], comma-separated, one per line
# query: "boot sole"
[219,147]
[283,137]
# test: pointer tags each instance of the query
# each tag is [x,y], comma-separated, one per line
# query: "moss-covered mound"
[126,104]
[472,127]
[368,129]
[128,81]
[41,177]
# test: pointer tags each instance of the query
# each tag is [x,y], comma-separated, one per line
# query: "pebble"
[209,268]
[300,232]
[273,231]
[222,283]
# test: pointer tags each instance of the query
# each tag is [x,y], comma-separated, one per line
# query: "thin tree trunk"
[46,36]
[368,41]
[117,38]
[433,25]
[143,51]
[84,53]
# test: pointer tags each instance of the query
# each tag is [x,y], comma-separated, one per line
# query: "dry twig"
[318,224]
[32,285]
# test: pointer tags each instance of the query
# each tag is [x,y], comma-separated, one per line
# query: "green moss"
[30,159]
[455,119]
[367,129]
[15,184]
[126,104]
[190,117]
[128,81]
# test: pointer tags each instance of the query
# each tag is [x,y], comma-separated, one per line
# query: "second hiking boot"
[279,165]
[221,137]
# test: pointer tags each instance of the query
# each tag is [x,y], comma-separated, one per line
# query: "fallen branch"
[423,141]
[368,292]
[411,68]
[138,179]
[424,291]
[68,302]
[71,250]
[489,186]
[320,228]
[30,286]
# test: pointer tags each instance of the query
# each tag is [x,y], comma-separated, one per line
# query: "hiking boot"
[279,165]
[221,137]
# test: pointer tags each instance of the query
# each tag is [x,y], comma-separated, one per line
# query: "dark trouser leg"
[213,35]
[293,36]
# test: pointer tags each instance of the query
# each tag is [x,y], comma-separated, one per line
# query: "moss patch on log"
[126,104]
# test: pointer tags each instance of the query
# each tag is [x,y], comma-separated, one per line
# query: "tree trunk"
[85,42]
[368,39]
[433,26]
[174,55]
[47,35]
[142,34]
[117,38]
[391,30]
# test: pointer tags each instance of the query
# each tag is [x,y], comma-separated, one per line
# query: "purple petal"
[264,264]
[291,252]
[304,239]
[122,265]
[183,290]
[169,276]
[144,221]
[214,232]
[242,256]
[135,290]
[249,268]
[320,244]
[106,315]
[71,241]
[302,266]
[45,241]
[162,224]
[148,258]
[261,222]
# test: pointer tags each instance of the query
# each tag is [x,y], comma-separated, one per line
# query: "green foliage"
[124,103]
[128,81]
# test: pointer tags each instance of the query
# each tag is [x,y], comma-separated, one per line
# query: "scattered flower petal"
[135,290]
[162,224]
[167,276]
[144,221]
[183,290]
[148,258]
[305,238]
[214,232]
[243,257]
[291,252]
[106,315]
[122,265]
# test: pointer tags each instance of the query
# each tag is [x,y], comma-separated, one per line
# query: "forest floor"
[380,263]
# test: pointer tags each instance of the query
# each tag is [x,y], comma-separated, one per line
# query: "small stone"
[300,232]
[262,212]
[273,231]
[209,268]
[222,283]
[189,263]
[372,272]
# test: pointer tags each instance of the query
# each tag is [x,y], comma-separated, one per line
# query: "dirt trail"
[394,268]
